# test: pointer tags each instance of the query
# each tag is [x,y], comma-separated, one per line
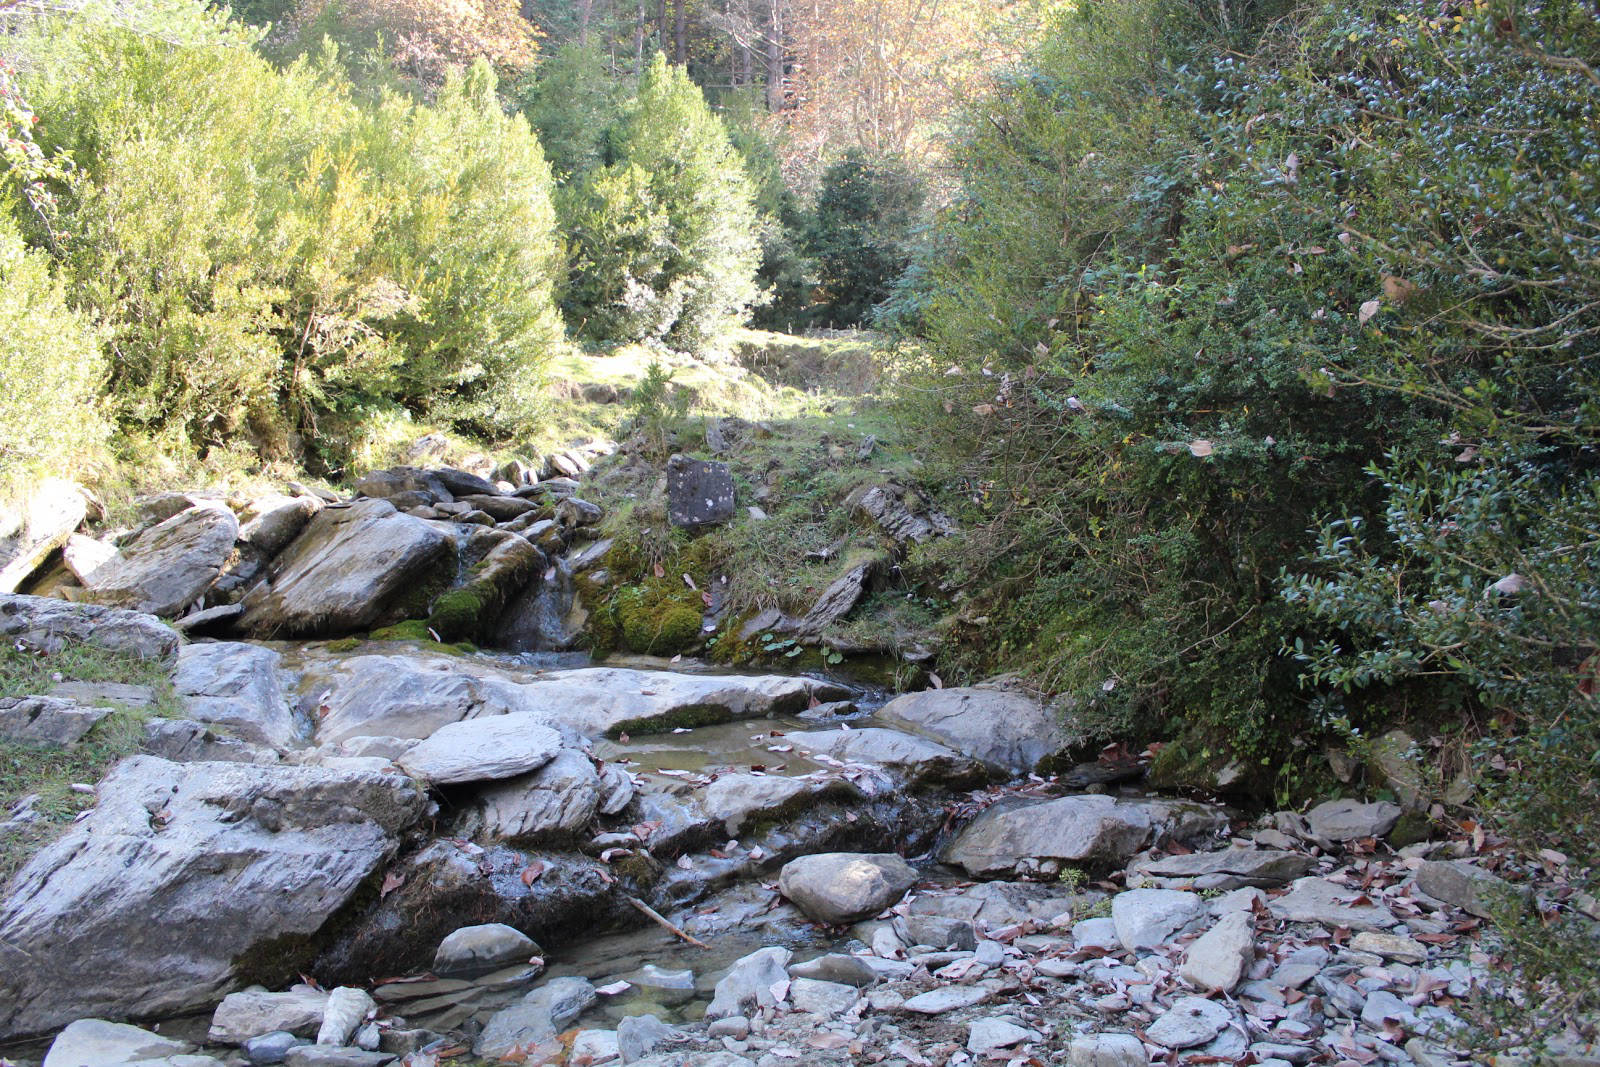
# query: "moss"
[460,613]
[343,644]
[416,630]
[687,717]
[657,619]
[1414,826]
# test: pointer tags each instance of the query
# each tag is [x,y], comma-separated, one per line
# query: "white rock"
[346,1009]
[985,1035]
[826,999]
[1096,933]
[595,1047]
[1147,918]
[480,750]
[1108,1050]
[252,1013]
[749,982]
[1190,1021]
[1217,960]
[946,998]
[97,1043]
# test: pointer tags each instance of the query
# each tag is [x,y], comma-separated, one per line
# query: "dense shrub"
[266,252]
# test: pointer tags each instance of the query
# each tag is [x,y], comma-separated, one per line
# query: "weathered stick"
[656,917]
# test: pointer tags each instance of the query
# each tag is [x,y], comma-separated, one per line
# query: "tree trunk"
[680,33]
[775,42]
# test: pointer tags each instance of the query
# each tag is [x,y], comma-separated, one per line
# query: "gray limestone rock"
[236,686]
[48,625]
[748,983]
[1076,829]
[473,951]
[1316,900]
[1189,1022]
[97,1043]
[844,887]
[918,758]
[171,564]
[270,523]
[1008,731]
[482,750]
[538,1016]
[1148,918]
[559,799]
[640,1035]
[1218,959]
[1466,885]
[52,510]
[1108,1050]
[249,1014]
[1347,820]
[47,720]
[346,1010]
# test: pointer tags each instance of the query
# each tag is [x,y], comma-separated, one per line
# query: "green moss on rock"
[656,619]
[417,630]
[459,613]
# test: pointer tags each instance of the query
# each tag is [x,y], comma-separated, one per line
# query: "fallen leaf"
[531,873]
[391,882]
[983,409]
[1369,309]
[614,988]
[1200,449]
[661,572]
[933,680]
[688,581]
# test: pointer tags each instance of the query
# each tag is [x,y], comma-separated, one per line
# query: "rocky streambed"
[370,852]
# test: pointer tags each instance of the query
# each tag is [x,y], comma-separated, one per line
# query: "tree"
[861,233]
[663,238]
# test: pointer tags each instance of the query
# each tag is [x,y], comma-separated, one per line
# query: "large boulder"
[45,720]
[188,881]
[559,799]
[1090,829]
[98,1043]
[1008,731]
[236,686]
[353,568]
[845,887]
[506,563]
[482,750]
[698,493]
[272,522]
[548,615]
[48,625]
[47,517]
[171,564]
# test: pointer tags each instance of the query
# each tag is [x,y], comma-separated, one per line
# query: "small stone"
[1190,1021]
[266,1049]
[1317,900]
[1383,1005]
[844,887]
[346,1009]
[947,998]
[1108,1050]
[473,951]
[327,1056]
[1390,946]
[735,1026]
[826,999]
[1218,959]
[836,967]
[640,1035]
[1147,918]
[749,982]
[1347,820]
[985,1035]
[242,1016]
[595,1047]
[1097,933]
[990,953]
[1466,885]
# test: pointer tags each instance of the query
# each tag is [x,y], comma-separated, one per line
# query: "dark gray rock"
[1006,730]
[1347,820]
[462,483]
[473,951]
[267,1049]
[698,493]
[406,486]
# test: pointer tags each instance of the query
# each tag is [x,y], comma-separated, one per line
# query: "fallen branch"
[656,917]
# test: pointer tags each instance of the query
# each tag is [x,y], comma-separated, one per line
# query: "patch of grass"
[47,772]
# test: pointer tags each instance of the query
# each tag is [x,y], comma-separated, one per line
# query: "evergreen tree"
[866,215]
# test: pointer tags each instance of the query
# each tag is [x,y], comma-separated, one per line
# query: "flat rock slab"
[1463,884]
[47,720]
[1078,829]
[264,853]
[349,570]
[845,887]
[1008,731]
[698,493]
[49,625]
[919,759]
[236,686]
[482,750]
[95,1042]
[1347,820]
[1316,900]
[251,1013]
[947,998]
[1149,918]
[1230,868]
[1189,1022]
[48,516]
[538,1016]
[171,564]
[560,798]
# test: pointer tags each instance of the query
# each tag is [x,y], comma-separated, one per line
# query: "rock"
[97,1043]
[538,1016]
[47,625]
[919,759]
[271,1048]
[734,799]
[547,615]
[640,1035]
[595,1047]
[470,610]
[402,482]
[52,511]
[845,887]
[575,513]
[84,556]
[1466,885]
[698,493]
[351,569]
[347,1009]
[749,982]
[171,564]
[1393,760]
[323,1056]
[1108,1050]
[47,720]
[840,598]
[946,998]
[1098,934]
[940,931]
[1218,959]
[272,522]
[499,508]
[236,686]
[1347,820]
[836,967]
[473,951]
[1229,868]
[265,853]
[482,750]
[1382,1004]
[1315,900]
[559,798]
[1190,1021]
[1148,918]
[186,741]
[824,999]
[888,507]
[1009,732]
[210,621]
[1390,946]
[462,483]
[986,1035]
[695,1059]
[1076,829]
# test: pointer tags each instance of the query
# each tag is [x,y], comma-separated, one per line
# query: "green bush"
[861,233]
[270,255]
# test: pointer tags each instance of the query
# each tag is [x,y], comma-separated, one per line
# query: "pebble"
[949,998]
[1190,1021]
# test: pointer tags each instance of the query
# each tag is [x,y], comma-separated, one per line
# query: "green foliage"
[325,256]
[571,104]
[663,236]
[861,233]
[657,618]
[50,371]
